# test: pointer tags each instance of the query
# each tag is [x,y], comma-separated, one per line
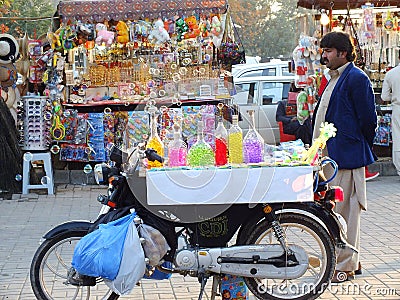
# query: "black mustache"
[323,61]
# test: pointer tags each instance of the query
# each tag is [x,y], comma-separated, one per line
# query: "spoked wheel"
[302,231]
[49,268]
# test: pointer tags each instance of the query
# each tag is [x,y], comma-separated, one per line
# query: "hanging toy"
[302,107]
[123,32]
[181,29]
[67,37]
[58,129]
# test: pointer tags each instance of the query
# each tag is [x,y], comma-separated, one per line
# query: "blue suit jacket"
[352,110]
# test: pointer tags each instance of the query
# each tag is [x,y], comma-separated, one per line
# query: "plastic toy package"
[70,152]
[96,137]
[137,127]
[75,126]
[383,135]
[191,116]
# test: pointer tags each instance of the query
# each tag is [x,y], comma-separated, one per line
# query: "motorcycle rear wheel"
[314,239]
[49,267]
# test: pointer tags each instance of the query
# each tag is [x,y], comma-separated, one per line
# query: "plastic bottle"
[201,153]
[253,143]
[154,140]
[235,142]
[221,144]
[177,150]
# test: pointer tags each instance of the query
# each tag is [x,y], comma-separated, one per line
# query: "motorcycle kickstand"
[216,286]
[113,296]
[203,281]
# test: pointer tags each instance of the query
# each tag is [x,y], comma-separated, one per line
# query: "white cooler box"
[229,186]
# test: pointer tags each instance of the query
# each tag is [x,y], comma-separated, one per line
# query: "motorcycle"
[282,250]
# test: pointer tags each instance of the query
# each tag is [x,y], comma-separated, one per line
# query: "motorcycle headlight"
[101,172]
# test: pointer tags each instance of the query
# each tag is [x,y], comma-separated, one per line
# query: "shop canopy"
[100,10]
[342,4]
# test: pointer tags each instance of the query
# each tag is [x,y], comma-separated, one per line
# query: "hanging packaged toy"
[302,107]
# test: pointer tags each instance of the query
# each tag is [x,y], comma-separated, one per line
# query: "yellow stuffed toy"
[123,32]
[194,30]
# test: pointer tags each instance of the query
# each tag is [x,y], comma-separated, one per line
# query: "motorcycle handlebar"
[152,155]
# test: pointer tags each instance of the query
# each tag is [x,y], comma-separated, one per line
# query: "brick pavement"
[24,220]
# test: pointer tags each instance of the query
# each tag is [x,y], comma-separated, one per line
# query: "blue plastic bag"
[99,253]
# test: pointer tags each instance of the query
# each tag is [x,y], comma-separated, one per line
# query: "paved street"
[23,221]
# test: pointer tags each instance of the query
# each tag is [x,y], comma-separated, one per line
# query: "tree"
[13,13]
[267,27]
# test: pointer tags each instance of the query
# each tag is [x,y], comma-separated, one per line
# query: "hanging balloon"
[28,156]
[55,149]
[107,110]
[45,180]
[87,169]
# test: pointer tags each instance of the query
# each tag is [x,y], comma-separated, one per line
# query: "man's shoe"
[359,270]
[369,175]
[342,276]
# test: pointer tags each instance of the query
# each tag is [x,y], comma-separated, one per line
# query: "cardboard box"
[234,288]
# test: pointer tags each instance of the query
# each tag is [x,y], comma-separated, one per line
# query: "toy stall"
[106,62]
[375,28]
[158,76]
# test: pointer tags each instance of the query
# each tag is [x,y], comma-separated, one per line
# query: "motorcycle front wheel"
[49,268]
[305,232]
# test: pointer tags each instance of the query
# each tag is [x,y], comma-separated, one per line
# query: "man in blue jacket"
[348,102]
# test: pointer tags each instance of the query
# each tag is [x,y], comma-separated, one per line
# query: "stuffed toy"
[103,35]
[123,32]
[169,26]
[83,32]
[215,26]
[181,29]
[194,30]
[159,33]
[205,27]
[216,31]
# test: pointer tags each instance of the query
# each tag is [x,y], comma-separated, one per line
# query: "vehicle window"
[272,92]
[252,73]
[286,72]
[245,93]
[269,72]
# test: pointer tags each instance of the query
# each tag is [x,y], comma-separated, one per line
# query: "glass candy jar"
[201,153]
[154,141]
[221,144]
[253,143]
[177,150]
[235,142]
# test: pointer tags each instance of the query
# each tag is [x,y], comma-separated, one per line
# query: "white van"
[261,94]
[273,68]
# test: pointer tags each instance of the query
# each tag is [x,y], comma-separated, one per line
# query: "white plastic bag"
[155,245]
[132,266]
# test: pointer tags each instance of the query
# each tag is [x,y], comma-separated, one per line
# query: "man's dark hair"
[341,42]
